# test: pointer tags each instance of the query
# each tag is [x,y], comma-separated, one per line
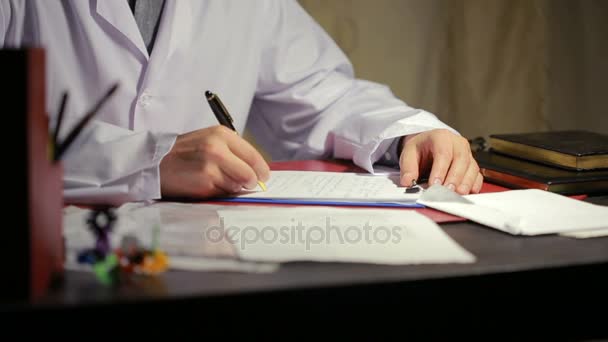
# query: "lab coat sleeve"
[309,104]
[111,164]
[12,15]
[5,19]
[3,22]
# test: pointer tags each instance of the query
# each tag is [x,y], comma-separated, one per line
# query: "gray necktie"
[147,14]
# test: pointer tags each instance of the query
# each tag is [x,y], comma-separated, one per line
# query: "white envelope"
[519,212]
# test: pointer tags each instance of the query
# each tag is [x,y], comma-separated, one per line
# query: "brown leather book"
[522,174]
[575,150]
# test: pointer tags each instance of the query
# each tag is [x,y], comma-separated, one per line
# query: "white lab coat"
[274,68]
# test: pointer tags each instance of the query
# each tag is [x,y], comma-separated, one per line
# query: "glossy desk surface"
[543,277]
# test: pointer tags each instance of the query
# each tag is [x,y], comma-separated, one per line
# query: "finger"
[478,183]
[252,157]
[219,155]
[470,176]
[458,168]
[239,171]
[209,181]
[409,164]
[227,184]
[442,157]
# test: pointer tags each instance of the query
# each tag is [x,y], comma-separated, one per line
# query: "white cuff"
[149,186]
[366,155]
[132,176]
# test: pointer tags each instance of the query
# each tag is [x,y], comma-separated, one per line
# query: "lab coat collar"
[174,28]
[119,16]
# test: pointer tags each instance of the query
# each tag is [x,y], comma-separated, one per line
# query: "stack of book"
[566,162]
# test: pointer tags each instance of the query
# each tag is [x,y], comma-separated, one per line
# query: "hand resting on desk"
[445,155]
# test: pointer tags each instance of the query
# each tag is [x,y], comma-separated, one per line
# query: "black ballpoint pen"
[223,117]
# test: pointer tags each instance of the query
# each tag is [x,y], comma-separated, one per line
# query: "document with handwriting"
[332,186]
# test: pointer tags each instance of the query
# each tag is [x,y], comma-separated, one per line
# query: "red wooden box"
[32,240]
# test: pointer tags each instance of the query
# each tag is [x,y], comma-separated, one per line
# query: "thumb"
[409,164]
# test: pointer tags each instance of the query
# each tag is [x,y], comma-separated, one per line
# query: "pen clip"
[224,109]
[219,110]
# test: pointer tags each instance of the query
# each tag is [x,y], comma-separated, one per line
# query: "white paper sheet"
[520,212]
[339,235]
[335,186]
[586,234]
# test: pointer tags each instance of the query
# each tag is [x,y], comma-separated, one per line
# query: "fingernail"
[236,188]
[437,181]
[451,186]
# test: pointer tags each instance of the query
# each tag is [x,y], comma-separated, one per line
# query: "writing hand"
[445,156]
[210,162]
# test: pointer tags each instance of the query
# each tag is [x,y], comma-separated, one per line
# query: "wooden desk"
[548,284]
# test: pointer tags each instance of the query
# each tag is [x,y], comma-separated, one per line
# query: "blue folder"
[320,202]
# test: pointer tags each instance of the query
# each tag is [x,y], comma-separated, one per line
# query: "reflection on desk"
[546,284]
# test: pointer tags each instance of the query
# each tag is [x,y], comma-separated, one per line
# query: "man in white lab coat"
[274,68]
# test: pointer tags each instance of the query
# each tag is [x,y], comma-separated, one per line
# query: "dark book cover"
[575,149]
[518,173]
[576,143]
